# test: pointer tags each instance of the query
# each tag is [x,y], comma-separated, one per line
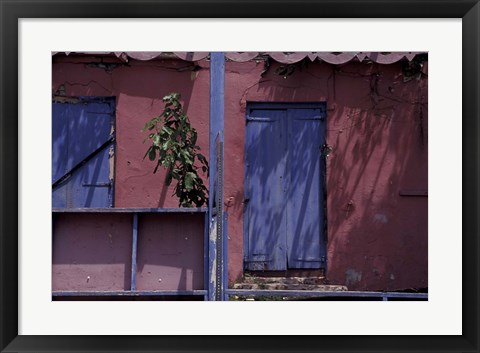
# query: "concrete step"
[290,286]
[284,280]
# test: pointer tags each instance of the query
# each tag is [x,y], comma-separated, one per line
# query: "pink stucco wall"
[91,252]
[376,127]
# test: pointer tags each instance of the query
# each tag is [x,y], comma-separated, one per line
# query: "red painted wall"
[376,127]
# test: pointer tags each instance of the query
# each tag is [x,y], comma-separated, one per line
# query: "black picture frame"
[12,10]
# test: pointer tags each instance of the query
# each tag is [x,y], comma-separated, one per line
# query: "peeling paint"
[212,280]
[62,99]
[380,218]
[352,276]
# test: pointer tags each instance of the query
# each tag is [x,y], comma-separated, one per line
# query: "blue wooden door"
[284,187]
[305,192]
[265,205]
[82,140]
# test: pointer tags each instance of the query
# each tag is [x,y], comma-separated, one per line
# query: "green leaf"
[162,154]
[175,174]
[186,156]
[193,137]
[167,130]
[151,154]
[178,191]
[202,159]
[189,179]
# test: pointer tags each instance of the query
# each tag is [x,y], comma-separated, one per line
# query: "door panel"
[89,186]
[305,197]
[264,193]
[90,126]
[60,122]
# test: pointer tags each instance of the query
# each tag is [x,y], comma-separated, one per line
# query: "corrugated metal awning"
[282,57]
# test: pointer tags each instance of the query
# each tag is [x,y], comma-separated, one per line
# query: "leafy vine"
[174,147]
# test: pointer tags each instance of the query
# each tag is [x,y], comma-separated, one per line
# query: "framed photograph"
[371,246]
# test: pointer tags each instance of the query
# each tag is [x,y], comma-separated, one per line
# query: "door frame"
[323,165]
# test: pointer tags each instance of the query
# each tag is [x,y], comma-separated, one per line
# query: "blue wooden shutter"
[264,194]
[82,136]
[305,201]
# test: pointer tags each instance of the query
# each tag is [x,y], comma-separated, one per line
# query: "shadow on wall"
[367,173]
[170,252]
[377,238]
[378,132]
